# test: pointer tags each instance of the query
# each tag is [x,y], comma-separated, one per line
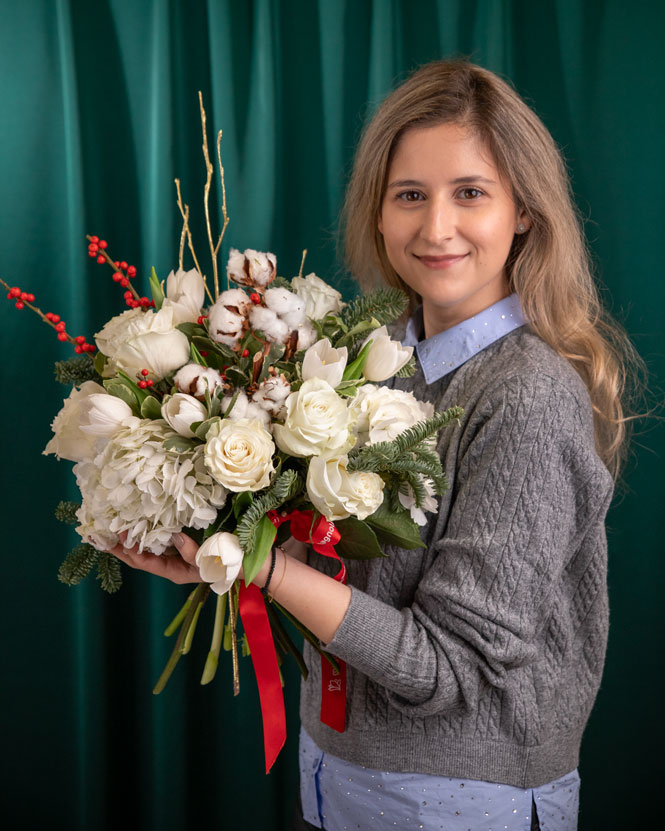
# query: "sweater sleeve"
[529,493]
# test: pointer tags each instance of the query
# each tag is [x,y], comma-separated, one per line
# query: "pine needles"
[76,370]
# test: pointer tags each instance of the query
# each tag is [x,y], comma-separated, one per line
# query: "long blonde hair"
[548,267]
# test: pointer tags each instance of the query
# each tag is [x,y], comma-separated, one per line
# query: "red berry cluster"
[145,382]
[122,273]
[23,297]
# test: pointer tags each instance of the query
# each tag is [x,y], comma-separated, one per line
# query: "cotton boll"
[255,411]
[194,379]
[267,321]
[286,304]
[307,335]
[224,325]
[235,300]
[239,408]
[271,394]
[251,268]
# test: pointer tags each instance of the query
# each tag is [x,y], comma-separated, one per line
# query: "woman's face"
[448,223]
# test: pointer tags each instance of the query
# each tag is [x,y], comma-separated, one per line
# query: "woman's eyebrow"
[460,180]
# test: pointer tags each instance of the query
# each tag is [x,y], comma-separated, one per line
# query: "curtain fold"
[100,113]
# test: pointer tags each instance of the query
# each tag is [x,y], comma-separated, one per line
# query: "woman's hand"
[177,564]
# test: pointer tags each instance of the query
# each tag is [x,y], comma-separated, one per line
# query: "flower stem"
[178,619]
[233,619]
[212,660]
[189,637]
[200,590]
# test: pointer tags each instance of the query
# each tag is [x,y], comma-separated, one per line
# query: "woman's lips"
[440,261]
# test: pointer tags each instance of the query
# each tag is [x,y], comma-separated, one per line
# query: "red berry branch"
[122,272]
[24,298]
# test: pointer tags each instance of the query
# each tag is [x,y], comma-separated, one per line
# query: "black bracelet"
[264,589]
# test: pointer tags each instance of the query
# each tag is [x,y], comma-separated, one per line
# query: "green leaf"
[241,502]
[157,289]
[192,330]
[263,539]
[179,443]
[354,370]
[122,391]
[202,341]
[358,541]
[202,430]
[151,408]
[395,528]
[100,362]
[196,356]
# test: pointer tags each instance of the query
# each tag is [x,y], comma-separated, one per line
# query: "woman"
[474,662]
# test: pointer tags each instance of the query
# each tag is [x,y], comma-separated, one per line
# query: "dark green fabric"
[99,114]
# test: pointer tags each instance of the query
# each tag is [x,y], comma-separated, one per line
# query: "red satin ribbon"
[322,536]
[255,622]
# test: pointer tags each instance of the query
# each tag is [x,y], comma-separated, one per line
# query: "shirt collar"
[453,347]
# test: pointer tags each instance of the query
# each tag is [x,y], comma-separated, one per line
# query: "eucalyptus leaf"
[236,377]
[179,443]
[264,538]
[192,330]
[395,527]
[358,541]
[122,391]
[202,430]
[151,408]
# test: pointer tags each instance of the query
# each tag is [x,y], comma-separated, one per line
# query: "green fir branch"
[66,512]
[77,564]
[385,305]
[287,485]
[76,370]
[109,573]
[281,283]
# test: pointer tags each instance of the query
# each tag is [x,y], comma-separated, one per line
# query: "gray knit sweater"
[479,656]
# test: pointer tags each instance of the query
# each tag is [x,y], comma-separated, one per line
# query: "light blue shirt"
[339,796]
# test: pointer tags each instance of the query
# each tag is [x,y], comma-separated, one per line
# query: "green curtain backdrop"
[99,114]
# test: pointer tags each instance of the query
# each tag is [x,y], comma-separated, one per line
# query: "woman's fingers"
[178,566]
[186,546]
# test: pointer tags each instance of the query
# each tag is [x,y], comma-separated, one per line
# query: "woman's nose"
[438,223]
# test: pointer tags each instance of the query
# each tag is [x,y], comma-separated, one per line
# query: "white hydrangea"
[136,486]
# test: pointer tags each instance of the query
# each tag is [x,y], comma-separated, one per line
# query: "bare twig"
[206,196]
[184,212]
[302,262]
[224,213]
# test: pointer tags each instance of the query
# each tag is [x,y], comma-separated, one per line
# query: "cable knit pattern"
[480,654]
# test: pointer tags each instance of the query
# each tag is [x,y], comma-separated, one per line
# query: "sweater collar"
[453,347]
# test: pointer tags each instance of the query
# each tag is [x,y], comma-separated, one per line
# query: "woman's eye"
[469,194]
[410,196]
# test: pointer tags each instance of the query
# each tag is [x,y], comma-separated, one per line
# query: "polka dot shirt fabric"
[338,796]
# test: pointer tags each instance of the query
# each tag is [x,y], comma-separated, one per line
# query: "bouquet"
[242,415]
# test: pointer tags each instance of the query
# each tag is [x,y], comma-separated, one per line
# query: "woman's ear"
[523,222]
[379,224]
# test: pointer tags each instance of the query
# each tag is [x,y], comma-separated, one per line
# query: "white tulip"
[337,494]
[408,501]
[180,411]
[194,379]
[185,294]
[239,454]
[325,362]
[219,560]
[320,298]
[317,422]
[106,414]
[69,442]
[386,356]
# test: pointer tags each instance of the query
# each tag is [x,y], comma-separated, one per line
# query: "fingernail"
[178,540]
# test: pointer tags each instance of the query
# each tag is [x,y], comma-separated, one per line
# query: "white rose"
[179,411]
[219,560]
[386,356]
[325,362]
[145,341]
[69,442]
[320,298]
[337,494]
[106,414]
[381,414]
[185,294]
[239,454]
[317,422]
[251,268]
[194,379]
